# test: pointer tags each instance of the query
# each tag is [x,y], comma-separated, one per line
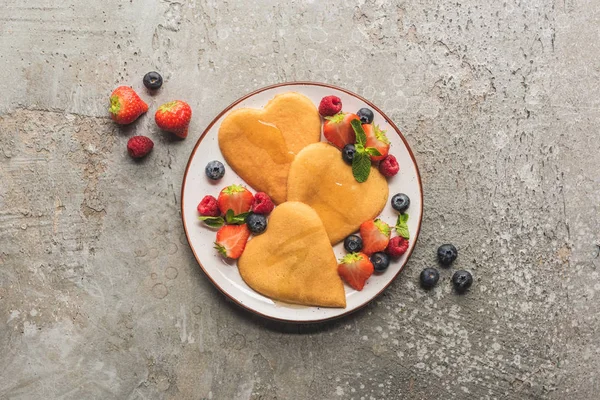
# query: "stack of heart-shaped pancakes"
[277,150]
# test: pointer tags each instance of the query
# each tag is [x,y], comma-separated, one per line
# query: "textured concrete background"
[101,298]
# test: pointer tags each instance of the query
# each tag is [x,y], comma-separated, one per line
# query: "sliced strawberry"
[236,198]
[231,240]
[338,130]
[376,138]
[355,269]
[375,236]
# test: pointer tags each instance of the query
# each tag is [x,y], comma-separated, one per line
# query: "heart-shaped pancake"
[292,260]
[260,144]
[320,178]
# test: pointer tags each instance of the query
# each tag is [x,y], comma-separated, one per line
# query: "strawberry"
[375,235]
[236,198]
[174,117]
[125,105]
[231,240]
[338,130]
[355,269]
[376,138]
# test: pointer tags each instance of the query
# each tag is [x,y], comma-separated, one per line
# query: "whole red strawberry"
[355,269]
[396,247]
[262,204]
[139,146]
[174,117]
[236,198]
[208,207]
[330,105]
[338,129]
[125,105]
[389,166]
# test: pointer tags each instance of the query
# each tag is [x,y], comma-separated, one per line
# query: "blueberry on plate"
[348,153]
[400,202]
[447,253]
[380,261]
[353,244]
[366,115]
[215,170]
[153,80]
[429,278]
[462,280]
[257,223]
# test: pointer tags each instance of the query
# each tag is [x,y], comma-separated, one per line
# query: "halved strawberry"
[338,130]
[355,269]
[375,236]
[236,198]
[376,138]
[231,240]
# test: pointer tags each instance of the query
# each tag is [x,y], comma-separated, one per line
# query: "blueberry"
[429,278]
[380,261]
[400,202]
[462,280]
[366,115]
[153,80]
[353,244]
[215,170]
[447,253]
[257,223]
[348,153]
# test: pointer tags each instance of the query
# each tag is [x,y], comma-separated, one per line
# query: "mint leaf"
[372,151]
[213,222]
[361,136]
[361,166]
[232,219]
[402,226]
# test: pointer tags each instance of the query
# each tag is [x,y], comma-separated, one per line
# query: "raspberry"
[389,166]
[397,246]
[262,204]
[330,105]
[139,146]
[209,207]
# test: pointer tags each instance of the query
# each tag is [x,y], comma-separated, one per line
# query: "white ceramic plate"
[224,275]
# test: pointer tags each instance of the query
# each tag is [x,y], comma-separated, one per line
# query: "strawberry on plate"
[376,138]
[236,198]
[355,269]
[125,105]
[375,235]
[338,130]
[174,117]
[231,240]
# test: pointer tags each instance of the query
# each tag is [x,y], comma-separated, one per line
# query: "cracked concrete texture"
[101,298]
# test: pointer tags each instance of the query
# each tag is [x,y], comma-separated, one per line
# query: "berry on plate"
[262,204]
[338,129]
[366,115]
[209,207]
[447,253]
[400,202]
[153,80]
[429,278]
[257,223]
[355,269]
[389,166]
[139,146]
[174,117]
[462,280]
[236,198]
[330,105]
[348,153]
[377,139]
[231,240]
[214,170]
[375,235]
[396,247]
[125,105]
[353,244]
[380,261]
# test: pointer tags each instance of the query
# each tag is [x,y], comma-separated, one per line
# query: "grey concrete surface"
[101,298]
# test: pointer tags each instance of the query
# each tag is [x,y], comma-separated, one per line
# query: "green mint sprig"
[230,219]
[361,163]
[402,226]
